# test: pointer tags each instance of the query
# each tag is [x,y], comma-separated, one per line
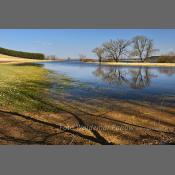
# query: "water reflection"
[129,81]
[141,78]
[112,75]
[136,78]
[167,71]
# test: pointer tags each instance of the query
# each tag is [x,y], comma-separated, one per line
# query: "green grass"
[29,88]
[24,88]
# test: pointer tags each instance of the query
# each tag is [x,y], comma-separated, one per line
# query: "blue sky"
[72,42]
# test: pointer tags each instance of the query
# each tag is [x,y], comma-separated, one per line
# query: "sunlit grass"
[23,88]
[5,59]
[30,88]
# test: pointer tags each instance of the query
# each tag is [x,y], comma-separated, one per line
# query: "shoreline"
[17,60]
[136,64]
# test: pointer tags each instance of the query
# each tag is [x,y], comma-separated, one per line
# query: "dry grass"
[137,64]
[5,59]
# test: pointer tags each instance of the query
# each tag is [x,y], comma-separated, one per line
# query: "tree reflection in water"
[112,75]
[141,78]
[137,78]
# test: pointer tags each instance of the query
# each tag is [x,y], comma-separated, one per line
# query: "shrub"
[15,53]
[87,60]
[108,60]
[166,59]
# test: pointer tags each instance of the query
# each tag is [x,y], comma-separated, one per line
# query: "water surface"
[119,82]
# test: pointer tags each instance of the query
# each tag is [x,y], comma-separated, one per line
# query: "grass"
[5,59]
[28,88]
[22,88]
[25,86]
[138,64]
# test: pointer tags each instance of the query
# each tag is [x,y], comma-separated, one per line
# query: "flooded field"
[122,105]
[80,103]
[138,83]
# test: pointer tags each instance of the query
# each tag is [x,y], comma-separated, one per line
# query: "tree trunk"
[100,59]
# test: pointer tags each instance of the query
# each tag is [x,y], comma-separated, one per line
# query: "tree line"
[22,54]
[139,47]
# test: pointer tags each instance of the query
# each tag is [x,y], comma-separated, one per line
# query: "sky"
[72,42]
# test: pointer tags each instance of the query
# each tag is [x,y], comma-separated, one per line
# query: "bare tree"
[100,52]
[115,49]
[143,47]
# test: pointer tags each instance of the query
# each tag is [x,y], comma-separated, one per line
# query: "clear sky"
[72,42]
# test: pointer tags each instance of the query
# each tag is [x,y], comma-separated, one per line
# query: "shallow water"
[150,84]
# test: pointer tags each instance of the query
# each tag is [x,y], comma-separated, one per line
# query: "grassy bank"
[22,87]
[5,59]
[27,87]
[33,109]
